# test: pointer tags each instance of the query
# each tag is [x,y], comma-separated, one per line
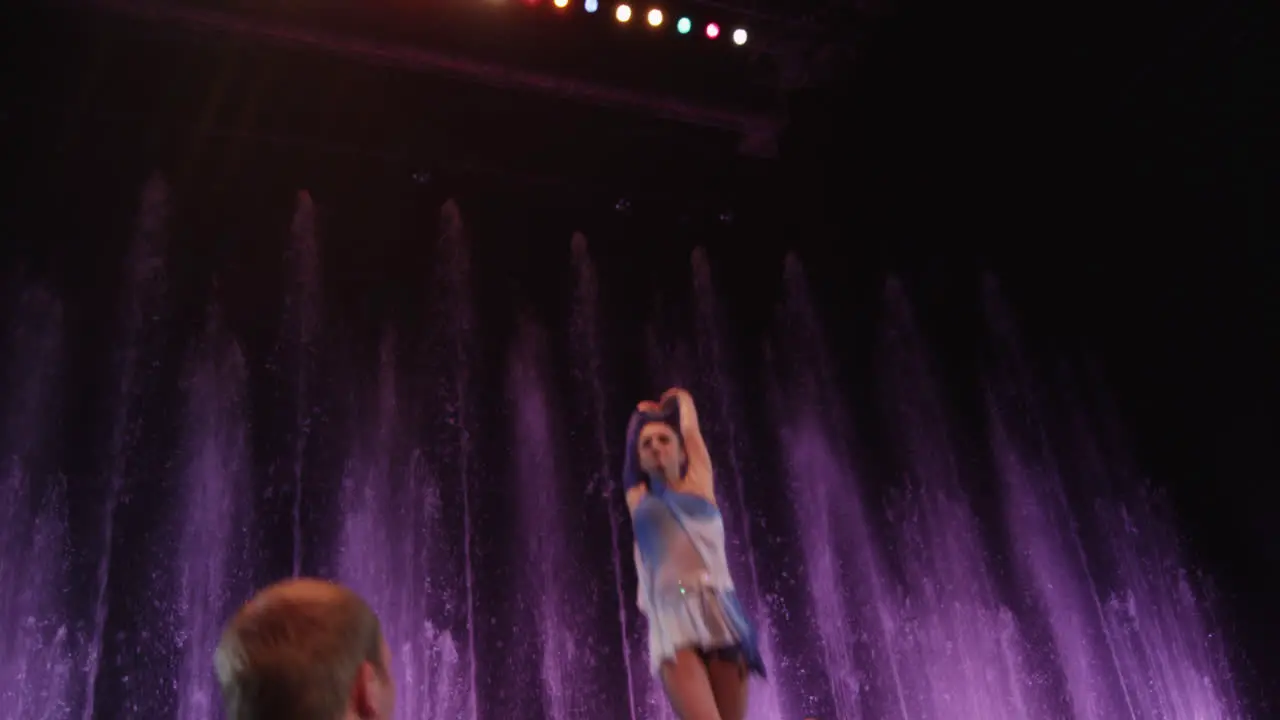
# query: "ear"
[364,695]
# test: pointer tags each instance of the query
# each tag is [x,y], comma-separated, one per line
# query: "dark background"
[1108,163]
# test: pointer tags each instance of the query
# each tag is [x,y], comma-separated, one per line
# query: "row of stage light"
[624,13]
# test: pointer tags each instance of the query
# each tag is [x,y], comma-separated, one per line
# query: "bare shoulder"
[701,484]
[635,494]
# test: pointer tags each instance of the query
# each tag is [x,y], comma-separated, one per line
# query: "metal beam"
[757,131]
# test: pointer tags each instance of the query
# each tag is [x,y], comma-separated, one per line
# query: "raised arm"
[699,473]
[633,481]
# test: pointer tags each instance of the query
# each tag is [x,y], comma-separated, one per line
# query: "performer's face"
[660,450]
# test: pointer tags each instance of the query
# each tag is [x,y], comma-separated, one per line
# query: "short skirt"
[703,619]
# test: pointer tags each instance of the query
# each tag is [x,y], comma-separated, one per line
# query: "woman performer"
[700,642]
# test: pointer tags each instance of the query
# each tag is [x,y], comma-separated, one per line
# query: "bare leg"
[688,687]
[729,686]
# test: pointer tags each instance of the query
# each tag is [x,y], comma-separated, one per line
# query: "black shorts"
[734,654]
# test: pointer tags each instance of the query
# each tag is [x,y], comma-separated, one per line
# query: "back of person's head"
[304,649]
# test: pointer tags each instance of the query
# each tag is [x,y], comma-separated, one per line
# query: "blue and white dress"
[685,589]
